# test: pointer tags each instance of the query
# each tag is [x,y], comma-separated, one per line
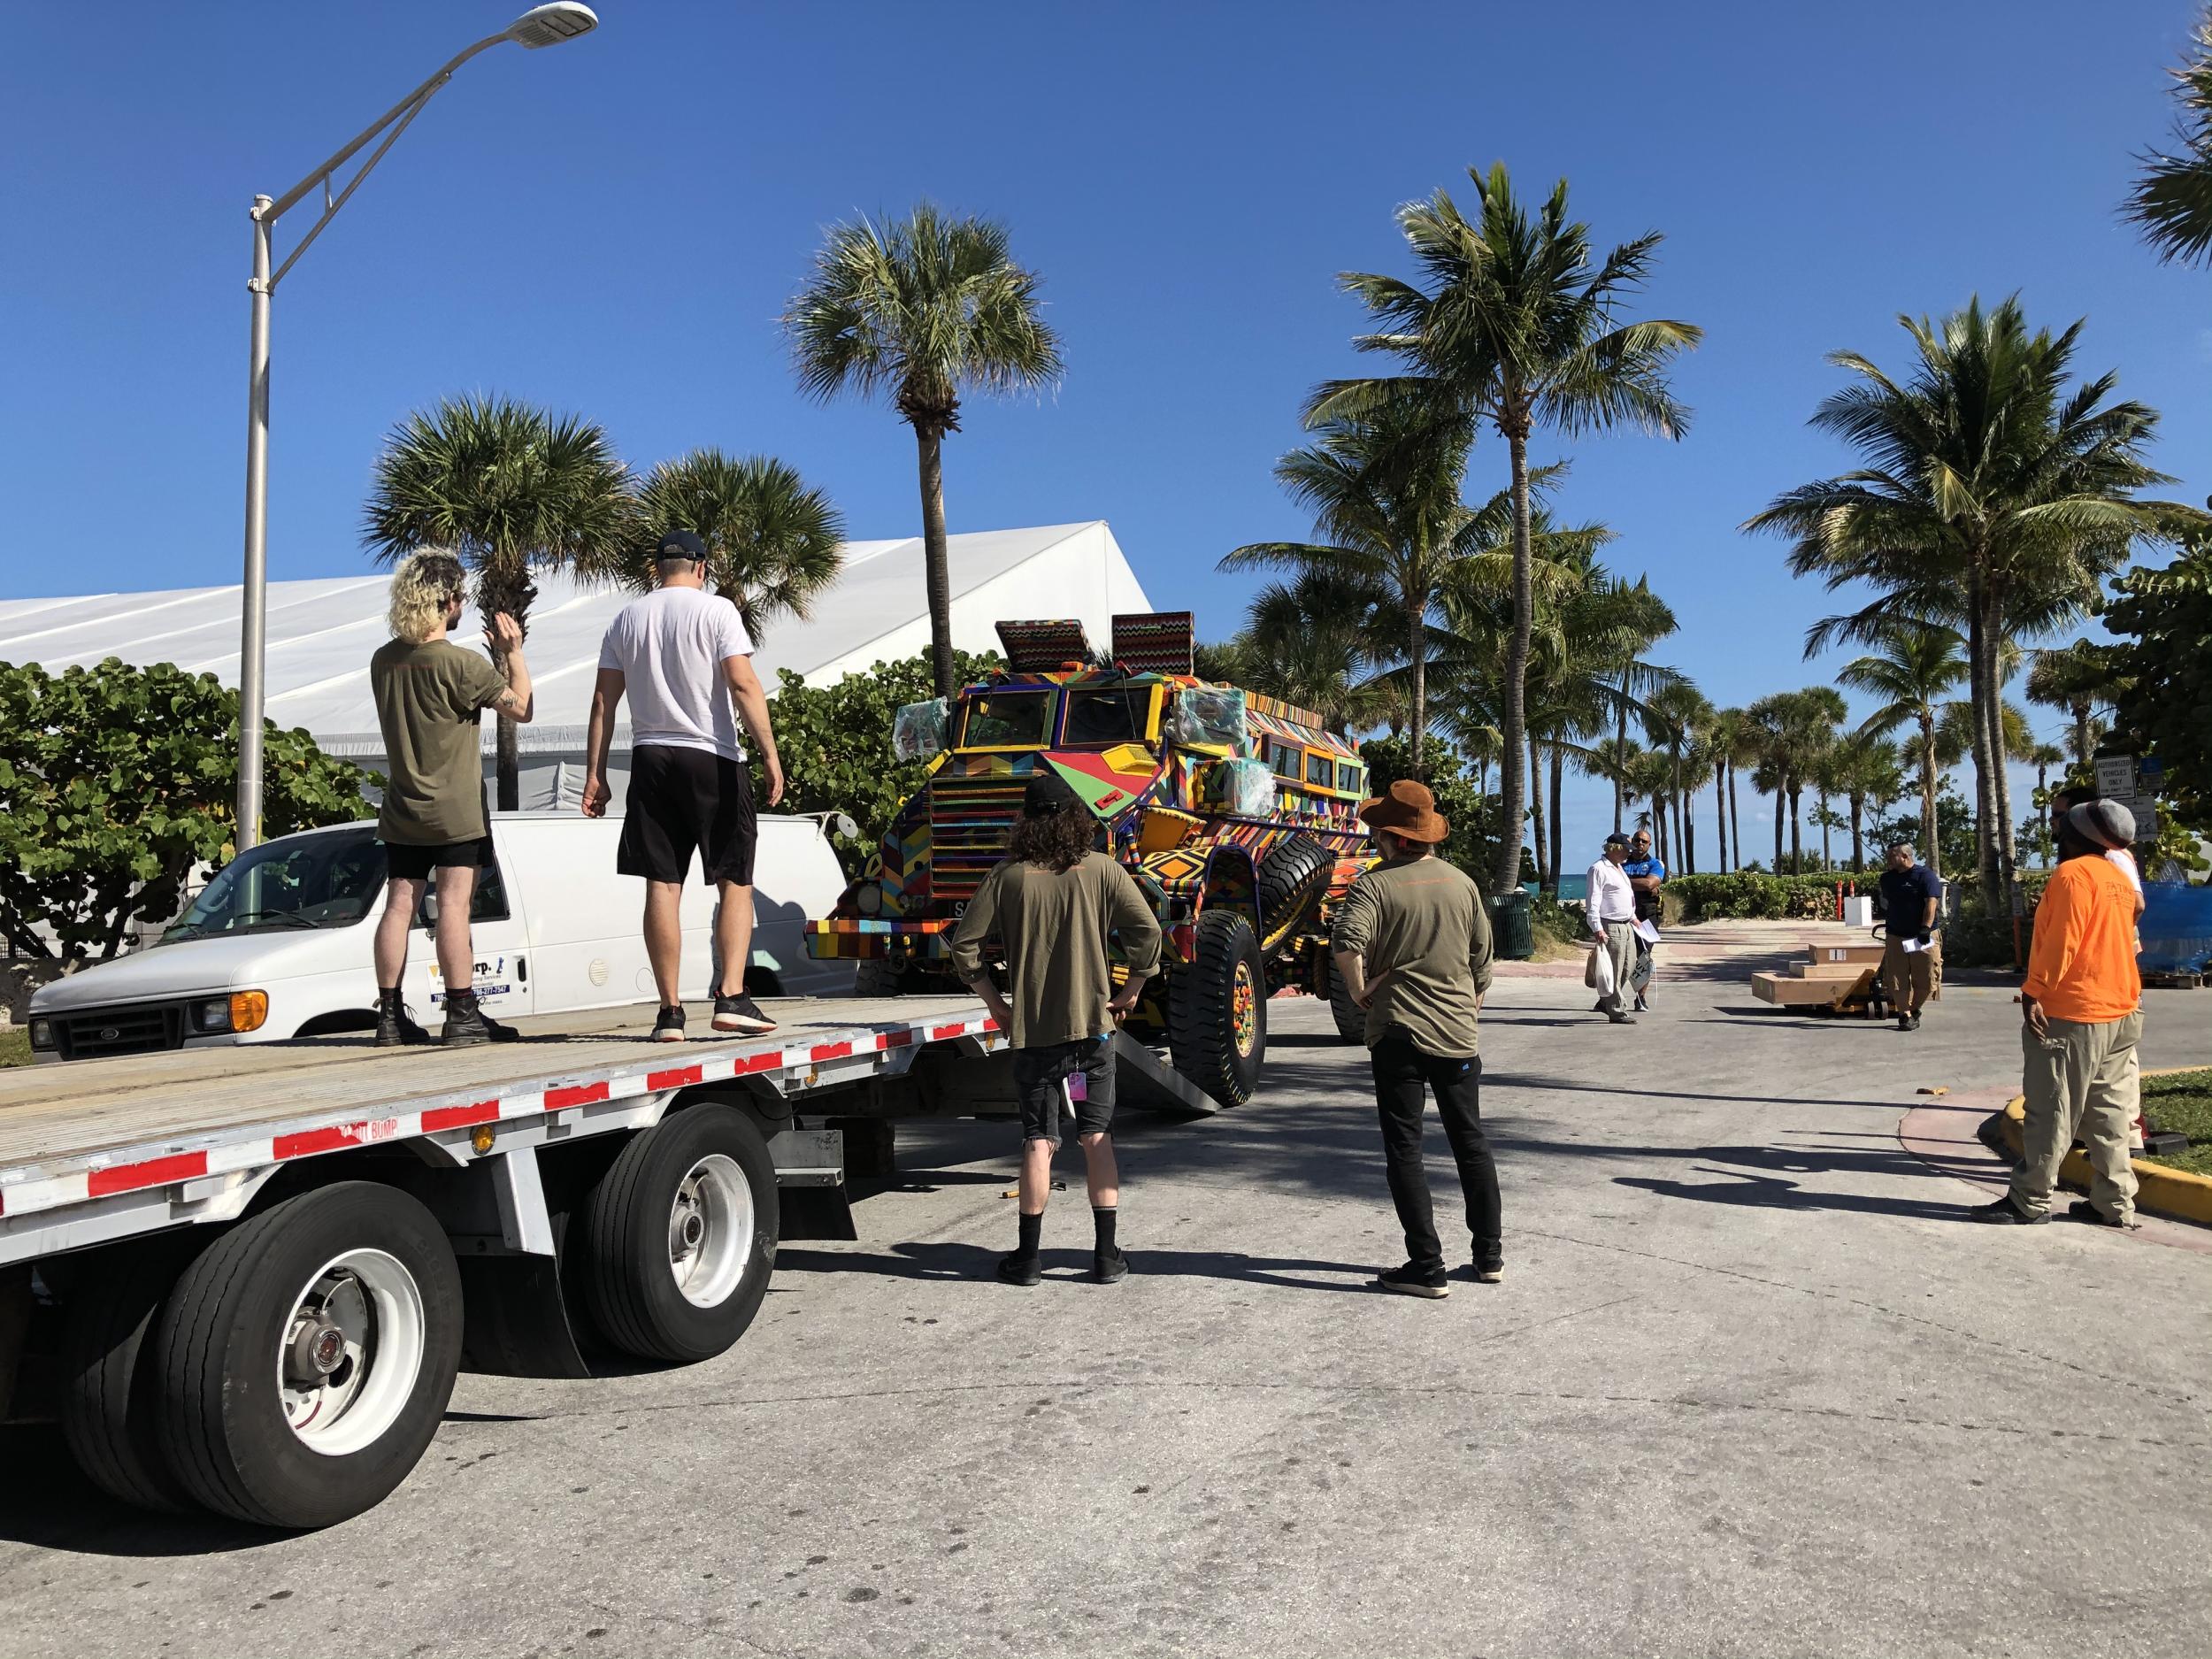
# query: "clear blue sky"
[611,226]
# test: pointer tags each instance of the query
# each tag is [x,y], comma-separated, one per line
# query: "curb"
[2162,1191]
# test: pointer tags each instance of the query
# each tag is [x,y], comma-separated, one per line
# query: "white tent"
[321,632]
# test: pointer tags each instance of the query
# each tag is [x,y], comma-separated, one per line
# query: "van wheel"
[1217,1009]
[678,1237]
[306,1355]
[111,1404]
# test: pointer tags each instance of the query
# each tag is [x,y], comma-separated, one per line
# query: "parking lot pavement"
[1751,1385]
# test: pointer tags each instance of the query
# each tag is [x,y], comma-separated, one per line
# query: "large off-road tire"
[1217,1009]
[306,1355]
[1293,880]
[110,1389]
[678,1239]
[1351,1018]
[874,976]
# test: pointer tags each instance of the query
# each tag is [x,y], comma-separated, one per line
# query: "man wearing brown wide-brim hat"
[1412,943]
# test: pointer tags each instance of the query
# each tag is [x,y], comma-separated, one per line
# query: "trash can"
[1511,938]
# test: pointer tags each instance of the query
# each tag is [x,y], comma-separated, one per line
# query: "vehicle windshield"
[1006,720]
[1119,716]
[296,882]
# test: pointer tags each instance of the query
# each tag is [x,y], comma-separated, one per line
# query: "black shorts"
[686,798]
[415,863]
[1077,1076]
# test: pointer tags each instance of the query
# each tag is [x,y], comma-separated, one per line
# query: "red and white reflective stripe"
[134,1169]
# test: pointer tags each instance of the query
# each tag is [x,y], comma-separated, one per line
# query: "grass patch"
[15,1047]
[2183,1102]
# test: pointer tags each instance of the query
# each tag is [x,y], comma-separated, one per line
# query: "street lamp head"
[550,25]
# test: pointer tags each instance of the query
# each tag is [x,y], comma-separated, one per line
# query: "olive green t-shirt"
[428,700]
[1424,931]
[1054,924]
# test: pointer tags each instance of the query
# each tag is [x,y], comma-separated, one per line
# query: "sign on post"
[2116,777]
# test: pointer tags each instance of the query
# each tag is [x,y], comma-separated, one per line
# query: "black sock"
[1103,1221]
[387,996]
[1032,1231]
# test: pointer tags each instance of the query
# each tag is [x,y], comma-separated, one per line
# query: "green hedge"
[1775,898]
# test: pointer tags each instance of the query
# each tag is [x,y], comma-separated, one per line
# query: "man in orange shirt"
[2082,1003]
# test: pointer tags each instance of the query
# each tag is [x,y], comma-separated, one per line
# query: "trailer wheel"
[1217,1009]
[1351,1018]
[308,1354]
[678,1237]
[111,1402]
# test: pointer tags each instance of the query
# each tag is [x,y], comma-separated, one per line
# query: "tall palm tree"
[1674,714]
[922,310]
[2171,199]
[1309,642]
[1513,323]
[774,543]
[2076,678]
[1911,677]
[1726,739]
[2043,756]
[1862,766]
[1383,485]
[1990,479]
[513,491]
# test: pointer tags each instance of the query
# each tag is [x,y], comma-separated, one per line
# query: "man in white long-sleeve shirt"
[1610,909]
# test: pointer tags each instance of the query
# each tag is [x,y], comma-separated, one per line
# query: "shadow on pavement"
[1771,1192]
[936,1260]
[45,1501]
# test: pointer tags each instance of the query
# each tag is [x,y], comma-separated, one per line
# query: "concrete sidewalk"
[1751,1386]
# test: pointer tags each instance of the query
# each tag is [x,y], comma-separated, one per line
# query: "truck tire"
[1291,882]
[678,1237]
[874,977]
[1217,1009]
[111,1391]
[306,1356]
[1351,1018]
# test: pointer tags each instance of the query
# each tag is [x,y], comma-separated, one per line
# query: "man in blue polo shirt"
[1645,871]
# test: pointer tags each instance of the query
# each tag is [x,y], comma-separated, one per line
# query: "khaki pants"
[2082,1081]
[1908,977]
[1620,947]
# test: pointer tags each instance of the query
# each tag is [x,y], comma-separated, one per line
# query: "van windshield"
[322,880]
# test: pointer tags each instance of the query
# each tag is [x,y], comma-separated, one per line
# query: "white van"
[277,945]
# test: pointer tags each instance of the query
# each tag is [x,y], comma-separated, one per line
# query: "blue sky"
[612,227]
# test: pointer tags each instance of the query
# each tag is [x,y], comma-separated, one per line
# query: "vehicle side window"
[487,903]
[1347,777]
[1287,761]
[1320,769]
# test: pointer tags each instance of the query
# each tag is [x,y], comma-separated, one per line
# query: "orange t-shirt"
[2082,965]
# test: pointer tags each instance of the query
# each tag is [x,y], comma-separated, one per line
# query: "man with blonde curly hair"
[430,695]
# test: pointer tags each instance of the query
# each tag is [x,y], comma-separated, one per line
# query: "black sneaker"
[2082,1209]
[1642,1007]
[1488,1272]
[1109,1267]
[1415,1281]
[739,1015]
[1016,1269]
[2003,1213]
[465,1027]
[396,1028]
[668,1026]
[1621,1019]
[1912,1022]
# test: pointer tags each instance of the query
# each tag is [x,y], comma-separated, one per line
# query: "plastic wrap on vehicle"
[1243,788]
[2176,928]
[1208,717]
[921,729]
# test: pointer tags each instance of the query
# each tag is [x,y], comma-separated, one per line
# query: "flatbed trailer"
[244,1278]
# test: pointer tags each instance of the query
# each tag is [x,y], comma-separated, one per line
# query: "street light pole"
[541,26]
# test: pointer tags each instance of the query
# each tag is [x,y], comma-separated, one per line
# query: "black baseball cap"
[680,544]
[1049,793]
[1617,840]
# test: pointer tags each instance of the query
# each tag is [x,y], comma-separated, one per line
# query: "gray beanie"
[2106,823]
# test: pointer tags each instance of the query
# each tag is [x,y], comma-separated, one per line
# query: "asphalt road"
[1750,1387]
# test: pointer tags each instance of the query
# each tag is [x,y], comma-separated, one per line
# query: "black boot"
[394,1027]
[465,1026]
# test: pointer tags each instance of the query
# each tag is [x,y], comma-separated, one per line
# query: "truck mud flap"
[516,1320]
[810,1195]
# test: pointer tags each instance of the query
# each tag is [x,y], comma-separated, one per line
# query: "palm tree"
[1383,485]
[2043,756]
[1674,713]
[1911,677]
[1862,766]
[513,491]
[774,544]
[922,310]
[1792,729]
[2076,677]
[1993,488]
[1309,641]
[2172,197]
[1515,325]
[1726,739]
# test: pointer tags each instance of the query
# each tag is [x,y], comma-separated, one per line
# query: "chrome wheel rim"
[349,1356]
[710,1231]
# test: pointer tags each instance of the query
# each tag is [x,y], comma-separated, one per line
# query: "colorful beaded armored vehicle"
[1236,814]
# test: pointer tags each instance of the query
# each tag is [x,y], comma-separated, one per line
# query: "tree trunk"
[1735,818]
[1979,700]
[1929,850]
[930,445]
[1418,658]
[1620,749]
[504,585]
[1797,841]
[1858,841]
[1558,780]
[1509,875]
[2081,735]
[1827,853]
[1720,814]
[2000,770]
[1778,815]
[1536,814]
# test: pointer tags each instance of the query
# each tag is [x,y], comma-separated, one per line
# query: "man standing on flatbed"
[1052,903]
[430,695]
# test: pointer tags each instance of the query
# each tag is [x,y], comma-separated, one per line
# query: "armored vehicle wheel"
[1292,880]
[1351,1018]
[1216,1011]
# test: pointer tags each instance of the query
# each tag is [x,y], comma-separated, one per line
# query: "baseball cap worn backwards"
[1049,793]
[680,544]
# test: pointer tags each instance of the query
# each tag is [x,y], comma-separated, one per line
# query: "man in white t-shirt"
[684,658]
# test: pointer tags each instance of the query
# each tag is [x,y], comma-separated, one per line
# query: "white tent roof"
[321,632]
